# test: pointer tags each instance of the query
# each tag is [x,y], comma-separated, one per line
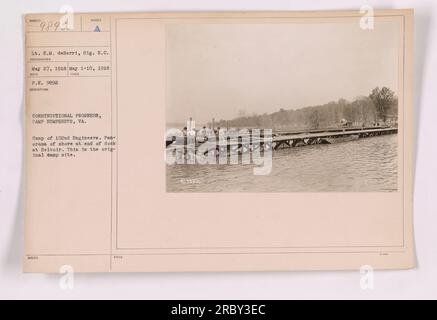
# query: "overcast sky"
[216,70]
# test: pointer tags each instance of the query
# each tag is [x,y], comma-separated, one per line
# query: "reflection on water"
[368,164]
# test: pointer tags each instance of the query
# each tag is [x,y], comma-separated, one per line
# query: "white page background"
[418,283]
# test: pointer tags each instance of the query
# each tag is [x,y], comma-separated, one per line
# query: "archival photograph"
[282,107]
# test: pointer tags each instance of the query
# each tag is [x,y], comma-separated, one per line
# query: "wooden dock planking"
[332,134]
[331,129]
[236,144]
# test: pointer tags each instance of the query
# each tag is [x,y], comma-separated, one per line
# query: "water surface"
[363,165]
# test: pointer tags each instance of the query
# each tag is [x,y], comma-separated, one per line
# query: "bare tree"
[383,100]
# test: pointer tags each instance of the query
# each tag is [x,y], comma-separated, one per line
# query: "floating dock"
[279,140]
[327,137]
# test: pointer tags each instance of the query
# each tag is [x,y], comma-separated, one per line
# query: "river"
[363,165]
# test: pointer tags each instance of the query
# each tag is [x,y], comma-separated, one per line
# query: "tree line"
[380,105]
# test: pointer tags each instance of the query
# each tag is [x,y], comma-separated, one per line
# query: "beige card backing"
[109,211]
